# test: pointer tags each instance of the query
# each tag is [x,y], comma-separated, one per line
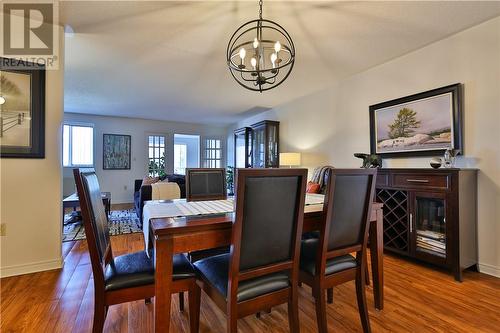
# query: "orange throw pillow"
[312,187]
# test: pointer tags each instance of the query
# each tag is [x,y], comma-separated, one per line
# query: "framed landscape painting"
[22,111]
[116,152]
[423,124]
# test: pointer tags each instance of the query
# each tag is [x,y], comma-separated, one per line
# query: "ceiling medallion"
[260,54]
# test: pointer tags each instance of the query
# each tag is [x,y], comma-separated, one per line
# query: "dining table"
[178,226]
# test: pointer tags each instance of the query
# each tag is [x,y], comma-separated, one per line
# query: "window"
[180,151]
[156,155]
[78,145]
[212,155]
[186,152]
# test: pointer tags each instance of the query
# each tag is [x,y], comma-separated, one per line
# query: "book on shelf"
[431,234]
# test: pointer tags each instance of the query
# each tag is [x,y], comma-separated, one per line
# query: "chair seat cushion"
[216,271]
[334,265]
[137,269]
[202,254]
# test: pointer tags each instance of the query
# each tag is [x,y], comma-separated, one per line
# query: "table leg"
[377,257]
[163,281]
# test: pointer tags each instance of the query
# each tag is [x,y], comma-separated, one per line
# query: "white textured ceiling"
[166,60]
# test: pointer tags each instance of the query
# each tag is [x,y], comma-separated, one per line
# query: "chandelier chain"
[260,9]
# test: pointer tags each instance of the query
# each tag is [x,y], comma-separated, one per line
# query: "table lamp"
[290,159]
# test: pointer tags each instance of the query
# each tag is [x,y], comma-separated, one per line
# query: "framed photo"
[116,152]
[22,111]
[423,124]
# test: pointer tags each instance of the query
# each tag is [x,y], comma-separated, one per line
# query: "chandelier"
[260,54]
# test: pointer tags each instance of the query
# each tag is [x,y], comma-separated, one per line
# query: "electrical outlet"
[3,229]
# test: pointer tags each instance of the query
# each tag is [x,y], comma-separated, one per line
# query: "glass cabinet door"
[242,147]
[272,146]
[259,147]
[430,225]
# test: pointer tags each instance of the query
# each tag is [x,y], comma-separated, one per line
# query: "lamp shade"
[290,159]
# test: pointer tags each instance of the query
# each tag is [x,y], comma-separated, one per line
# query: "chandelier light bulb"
[253,61]
[274,56]
[277,46]
[255,43]
[2,100]
[243,53]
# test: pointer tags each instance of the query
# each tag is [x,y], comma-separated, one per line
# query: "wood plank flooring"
[417,299]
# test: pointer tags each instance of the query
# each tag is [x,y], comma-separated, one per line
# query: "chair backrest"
[95,222]
[268,222]
[205,184]
[347,211]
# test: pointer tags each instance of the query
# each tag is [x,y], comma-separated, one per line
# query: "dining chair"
[326,261]
[127,277]
[205,184]
[261,269]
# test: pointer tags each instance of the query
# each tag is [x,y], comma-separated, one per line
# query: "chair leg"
[100,311]
[329,295]
[181,301]
[293,311]
[367,274]
[194,295]
[320,301]
[361,297]
[232,323]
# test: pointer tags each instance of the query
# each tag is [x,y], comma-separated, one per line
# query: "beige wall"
[30,192]
[121,182]
[330,125]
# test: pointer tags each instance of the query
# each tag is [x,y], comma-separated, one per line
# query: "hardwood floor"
[417,299]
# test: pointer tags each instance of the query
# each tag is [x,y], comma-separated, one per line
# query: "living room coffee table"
[72,201]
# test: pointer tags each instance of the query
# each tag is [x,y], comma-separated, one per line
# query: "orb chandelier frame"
[271,60]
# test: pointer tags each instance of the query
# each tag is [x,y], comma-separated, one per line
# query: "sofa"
[143,193]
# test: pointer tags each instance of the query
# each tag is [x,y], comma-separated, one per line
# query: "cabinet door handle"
[417,180]
[411,223]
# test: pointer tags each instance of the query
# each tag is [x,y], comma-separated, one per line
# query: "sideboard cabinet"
[430,215]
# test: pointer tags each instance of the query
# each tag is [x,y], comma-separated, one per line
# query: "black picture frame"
[456,140]
[105,165]
[37,110]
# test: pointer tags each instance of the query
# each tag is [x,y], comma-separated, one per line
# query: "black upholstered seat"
[216,270]
[308,259]
[137,269]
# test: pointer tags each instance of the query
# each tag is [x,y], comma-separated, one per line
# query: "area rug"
[120,222]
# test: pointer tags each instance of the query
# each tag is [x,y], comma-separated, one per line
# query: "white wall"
[30,199]
[121,182]
[330,125]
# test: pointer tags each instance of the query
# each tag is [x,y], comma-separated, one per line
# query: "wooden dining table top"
[170,225]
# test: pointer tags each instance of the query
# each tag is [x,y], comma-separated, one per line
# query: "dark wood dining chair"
[128,277]
[261,270]
[206,184]
[326,261]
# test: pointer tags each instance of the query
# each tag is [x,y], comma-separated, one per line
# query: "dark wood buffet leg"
[163,281]
[377,257]
[457,273]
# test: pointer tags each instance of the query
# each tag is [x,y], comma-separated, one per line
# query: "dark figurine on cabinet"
[369,160]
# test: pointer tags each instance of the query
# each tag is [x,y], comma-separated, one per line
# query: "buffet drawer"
[421,181]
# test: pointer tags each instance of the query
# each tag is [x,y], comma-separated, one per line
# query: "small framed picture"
[116,152]
[22,111]
[423,124]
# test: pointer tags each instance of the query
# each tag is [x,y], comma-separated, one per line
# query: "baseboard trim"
[489,269]
[31,267]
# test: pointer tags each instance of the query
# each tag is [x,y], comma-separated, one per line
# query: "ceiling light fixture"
[260,54]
